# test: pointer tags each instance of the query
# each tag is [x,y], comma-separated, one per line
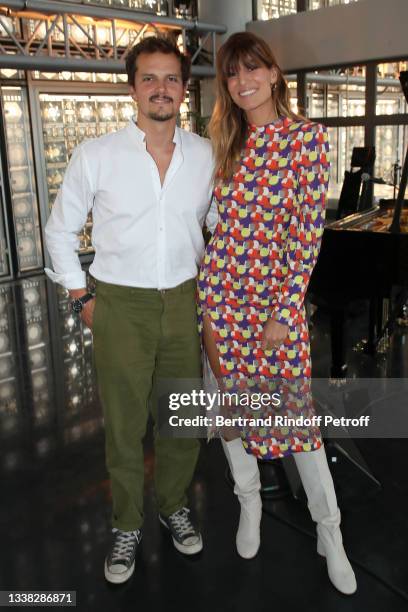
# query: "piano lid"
[377,220]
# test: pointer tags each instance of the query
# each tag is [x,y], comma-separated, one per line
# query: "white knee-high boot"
[322,502]
[245,472]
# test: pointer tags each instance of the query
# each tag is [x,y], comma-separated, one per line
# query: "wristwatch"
[78,304]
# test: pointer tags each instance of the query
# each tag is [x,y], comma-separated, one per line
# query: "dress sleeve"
[306,224]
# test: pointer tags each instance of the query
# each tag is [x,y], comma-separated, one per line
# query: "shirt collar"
[140,137]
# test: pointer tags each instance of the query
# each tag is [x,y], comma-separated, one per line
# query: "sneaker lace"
[124,544]
[181,522]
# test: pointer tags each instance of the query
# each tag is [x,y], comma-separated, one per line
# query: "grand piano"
[360,259]
[364,256]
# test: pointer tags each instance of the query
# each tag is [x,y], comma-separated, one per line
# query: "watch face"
[76,305]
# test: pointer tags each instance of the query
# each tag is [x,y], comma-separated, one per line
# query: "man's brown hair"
[156,44]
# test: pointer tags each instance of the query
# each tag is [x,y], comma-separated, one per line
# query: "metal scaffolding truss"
[51,35]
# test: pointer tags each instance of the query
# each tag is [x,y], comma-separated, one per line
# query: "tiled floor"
[54,515]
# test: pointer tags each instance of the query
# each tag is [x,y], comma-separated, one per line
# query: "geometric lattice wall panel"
[22,178]
[82,413]
[4,247]
[38,352]
[66,121]
[27,387]
[11,412]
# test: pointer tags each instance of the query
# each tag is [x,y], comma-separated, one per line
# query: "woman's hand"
[273,335]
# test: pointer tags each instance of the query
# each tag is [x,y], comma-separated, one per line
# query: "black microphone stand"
[395,226]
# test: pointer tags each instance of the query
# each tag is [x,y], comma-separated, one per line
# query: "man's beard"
[158,117]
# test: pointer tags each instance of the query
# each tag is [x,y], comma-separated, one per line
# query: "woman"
[270,186]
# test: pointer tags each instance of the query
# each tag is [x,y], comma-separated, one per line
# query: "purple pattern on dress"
[259,261]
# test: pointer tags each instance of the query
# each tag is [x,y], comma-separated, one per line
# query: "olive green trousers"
[141,336]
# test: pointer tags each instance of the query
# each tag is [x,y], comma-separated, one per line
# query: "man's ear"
[132,93]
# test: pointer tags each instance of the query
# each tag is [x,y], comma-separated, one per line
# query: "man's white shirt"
[144,234]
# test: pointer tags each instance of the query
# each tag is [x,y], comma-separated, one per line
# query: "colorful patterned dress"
[258,264]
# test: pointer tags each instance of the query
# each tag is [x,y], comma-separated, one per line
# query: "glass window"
[341,93]
[390,145]
[336,92]
[271,9]
[160,7]
[317,4]
[341,142]
[292,84]
[189,109]
[390,99]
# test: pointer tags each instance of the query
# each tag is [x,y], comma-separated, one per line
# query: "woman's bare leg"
[244,467]
[228,433]
[211,348]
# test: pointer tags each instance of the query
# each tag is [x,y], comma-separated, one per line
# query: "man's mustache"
[160,97]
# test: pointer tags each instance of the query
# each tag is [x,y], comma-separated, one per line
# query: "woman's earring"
[273,86]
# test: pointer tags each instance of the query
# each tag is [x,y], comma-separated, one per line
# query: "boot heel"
[320,548]
[248,537]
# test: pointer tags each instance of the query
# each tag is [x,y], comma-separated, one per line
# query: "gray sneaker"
[186,537]
[120,562]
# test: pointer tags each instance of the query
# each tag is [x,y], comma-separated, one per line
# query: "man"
[148,187]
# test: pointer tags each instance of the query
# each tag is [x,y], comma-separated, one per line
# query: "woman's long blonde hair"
[228,125]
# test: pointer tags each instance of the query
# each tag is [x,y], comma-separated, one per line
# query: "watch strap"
[85,298]
[78,303]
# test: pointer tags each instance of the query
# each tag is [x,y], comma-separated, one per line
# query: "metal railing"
[45,40]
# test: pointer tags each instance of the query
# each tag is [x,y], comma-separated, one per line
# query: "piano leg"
[375,324]
[338,335]
[394,308]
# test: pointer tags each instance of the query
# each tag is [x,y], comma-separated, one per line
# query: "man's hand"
[273,335]
[88,308]
[88,312]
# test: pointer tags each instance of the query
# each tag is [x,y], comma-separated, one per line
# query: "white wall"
[346,34]
[235,14]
